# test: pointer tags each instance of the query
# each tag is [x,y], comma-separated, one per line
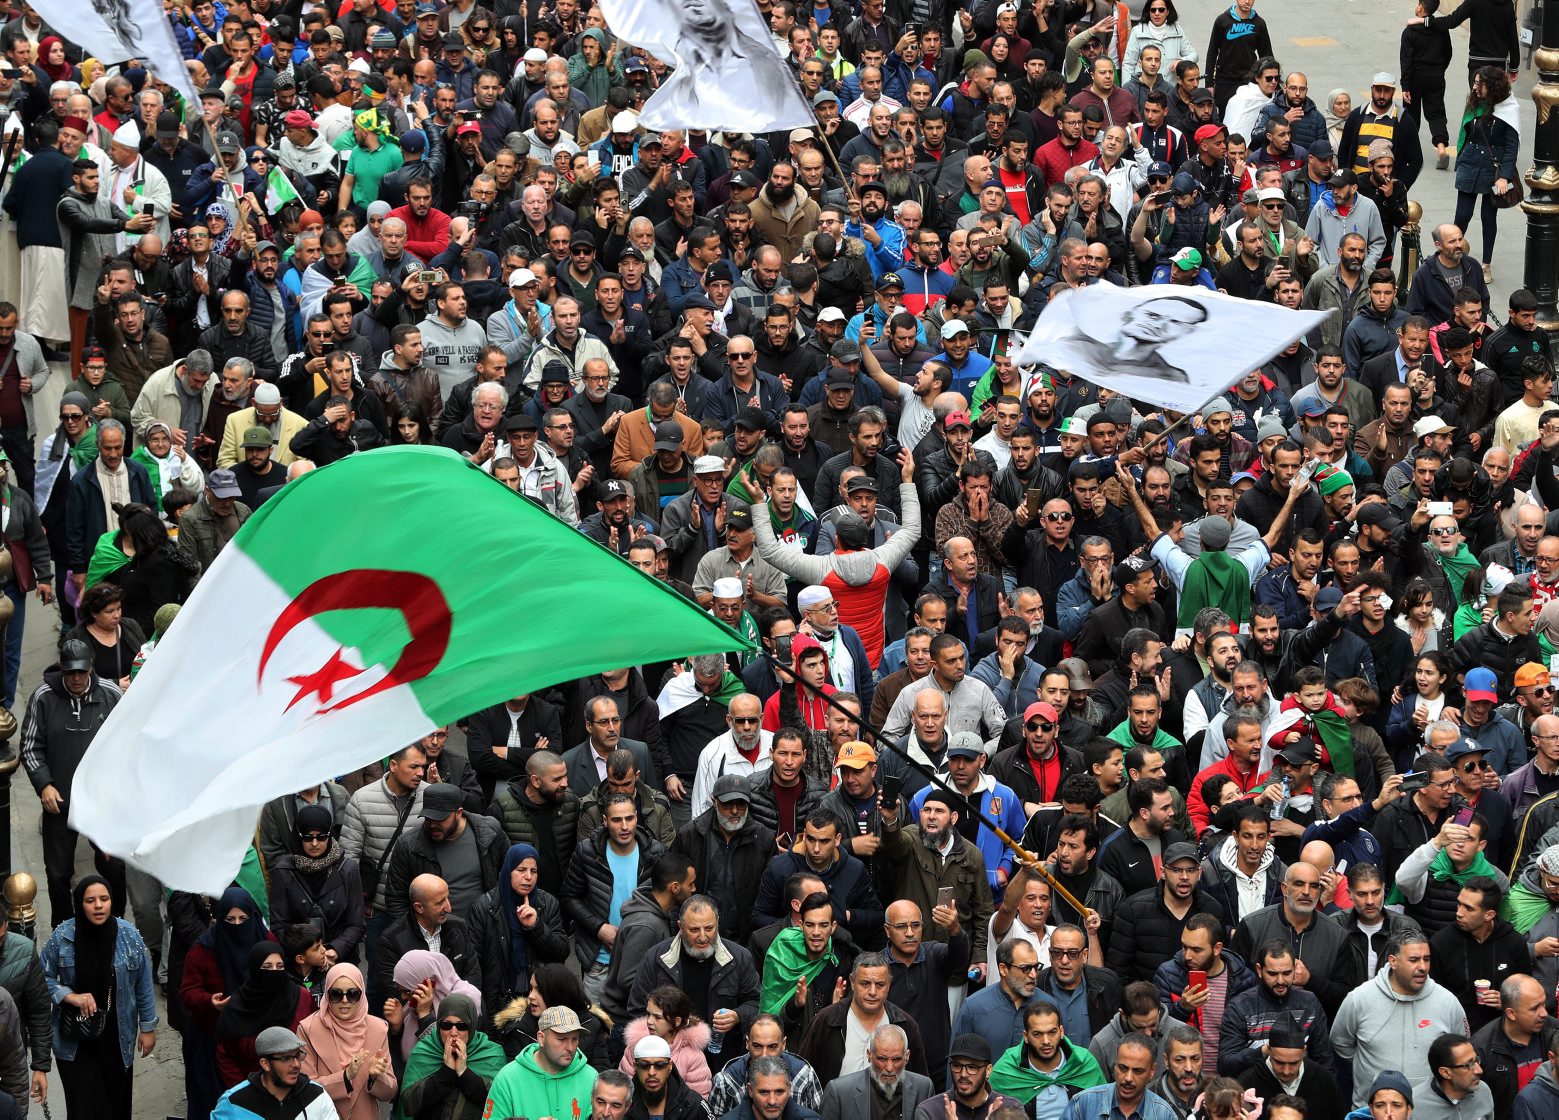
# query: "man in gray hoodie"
[1390,1023]
[1455,1090]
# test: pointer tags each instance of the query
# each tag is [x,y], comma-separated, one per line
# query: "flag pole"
[1025,857]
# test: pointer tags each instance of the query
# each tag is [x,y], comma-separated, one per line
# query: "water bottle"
[1277,810]
[716,1035]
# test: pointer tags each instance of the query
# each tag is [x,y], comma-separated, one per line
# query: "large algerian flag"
[365,604]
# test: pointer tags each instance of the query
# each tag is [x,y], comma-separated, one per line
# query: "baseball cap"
[581,237]
[651,1048]
[1314,407]
[709,464]
[959,419]
[739,517]
[636,65]
[562,1019]
[971,1046]
[168,124]
[615,488]
[855,755]
[1187,260]
[1132,567]
[427,8]
[524,277]
[1200,96]
[1480,684]
[1158,169]
[1377,513]
[439,800]
[276,1040]
[1531,674]
[1208,132]
[752,419]
[729,788]
[1462,747]
[75,656]
[257,437]
[838,378]
[1384,78]
[845,350]
[800,135]
[1299,753]
[1042,709]
[223,483]
[1072,426]
[668,436]
[631,251]
[1177,852]
[469,128]
[954,327]
[1430,425]
[1342,177]
[873,185]
[414,140]
[453,41]
[743,179]
[1185,183]
[831,315]
[1327,599]
[227,143]
[889,280]
[1078,678]
[1271,194]
[1322,149]
[965,744]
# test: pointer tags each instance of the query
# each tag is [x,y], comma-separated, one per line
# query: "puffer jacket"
[733,983]
[370,825]
[1320,948]
[21,975]
[58,728]
[849,885]
[1173,976]
[337,911]
[765,810]
[1306,130]
[546,943]
[588,885]
[413,855]
[1248,1019]
[1146,933]
[728,872]
[654,813]
[510,810]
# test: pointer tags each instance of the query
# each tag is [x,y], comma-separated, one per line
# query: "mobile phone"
[944,896]
[1412,783]
[428,276]
[1440,509]
[1463,816]
[892,786]
[1164,198]
[339,279]
[1196,978]
[146,208]
[782,648]
[1035,499]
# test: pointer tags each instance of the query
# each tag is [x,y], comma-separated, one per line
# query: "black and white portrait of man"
[1133,348]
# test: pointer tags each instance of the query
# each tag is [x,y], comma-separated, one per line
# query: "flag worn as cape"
[1215,579]
[1524,907]
[1012,1076]
[292,664]
[682,689]
[106,559]
[786,963]
[1329,728]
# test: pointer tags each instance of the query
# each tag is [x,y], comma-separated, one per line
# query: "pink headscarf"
[332,1041]
[417,966]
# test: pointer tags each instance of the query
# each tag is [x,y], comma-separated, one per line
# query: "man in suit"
[603,735]
[898,1090]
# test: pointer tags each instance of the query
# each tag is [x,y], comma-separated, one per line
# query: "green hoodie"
[1012,1076]
[523,1088]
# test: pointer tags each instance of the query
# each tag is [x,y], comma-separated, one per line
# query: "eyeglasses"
[314,837]
[453,1025]
[1039,725]
[1066,954]
[345,995]
[907,927]
[826,608]
[1470,1063]
[1059,516]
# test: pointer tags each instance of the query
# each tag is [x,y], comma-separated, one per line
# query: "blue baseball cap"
[1160,170]
[1480,684]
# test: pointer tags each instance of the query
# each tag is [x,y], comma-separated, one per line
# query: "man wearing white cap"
[1378,119]
[694,523]
[133,183]
[658,1089]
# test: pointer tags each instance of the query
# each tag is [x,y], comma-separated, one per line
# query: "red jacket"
[1197,806]
[1055,161]
[426,237]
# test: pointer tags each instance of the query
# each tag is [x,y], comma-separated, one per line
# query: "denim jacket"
[134,1005]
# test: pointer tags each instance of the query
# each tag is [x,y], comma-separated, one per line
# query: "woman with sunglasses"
[450,1070]
[318,884]
[349,1049]
[1160,27]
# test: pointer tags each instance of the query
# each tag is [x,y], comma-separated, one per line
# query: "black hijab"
[231,944]
[265,999]
[95,945]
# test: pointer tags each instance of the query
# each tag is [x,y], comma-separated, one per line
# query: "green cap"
[257,437]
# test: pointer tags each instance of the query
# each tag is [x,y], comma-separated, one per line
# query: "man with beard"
[885,1088]
[1149,923]
[1317,944]
[1379,120]
[1039,765]
[1085,996]
[995,1012]
[940,855]
[1045,1069]
[612,524]
[783,795]
[969,1095]
[1206,699]
[884,238]
[1181,1058]
[727,847]
[658,1089]
[827,1045]
[539,809]
[1275,998]
[1283,1069]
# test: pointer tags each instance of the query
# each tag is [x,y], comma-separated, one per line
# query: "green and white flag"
[365,604]
[278,191]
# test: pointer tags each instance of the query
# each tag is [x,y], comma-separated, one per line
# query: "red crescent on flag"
[417,597]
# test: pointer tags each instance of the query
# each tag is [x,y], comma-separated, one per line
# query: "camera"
[472,208]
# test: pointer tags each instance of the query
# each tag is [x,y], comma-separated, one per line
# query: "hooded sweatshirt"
[1540,1099]
[814,710]
[1378,1029]
[523,1088]
[1250,891]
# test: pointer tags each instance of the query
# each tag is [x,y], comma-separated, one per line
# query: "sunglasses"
[1542,690]
[1039,725]
[454,1025]
[71,417]
[652,1065]
[345,995]
[1066,954]
[315,837]
[1477,764]
[1444,531]
[1272,205]
[1062,516]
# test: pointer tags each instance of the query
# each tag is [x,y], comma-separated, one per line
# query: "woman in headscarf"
[164,462]
[268,997]
[318,884]
[518,926]
[422,978]
[91,70]
[1547,629]
[219,220]
[214,969]
[52,61]
[348,1049]
[1339,103]
[144,563]
[450,1070]
[102,983]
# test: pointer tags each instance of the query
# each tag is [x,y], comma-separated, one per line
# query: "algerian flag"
[367,603]
[278,191]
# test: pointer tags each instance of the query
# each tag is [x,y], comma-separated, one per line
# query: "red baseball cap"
[1208,131]
[468,128]
[1042,709]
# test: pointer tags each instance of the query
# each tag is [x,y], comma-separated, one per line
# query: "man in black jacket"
[1149,923]
[729,850]
[234,337]
[1504,1044]
[427,925]
[591,885]
[501,739]
[466,851]
[1478,944]
[1251,1015]
[1068,969]
[1504,643]
[823,1046]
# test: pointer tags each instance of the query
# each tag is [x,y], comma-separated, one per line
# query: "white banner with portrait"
[119,30]
[1166,345]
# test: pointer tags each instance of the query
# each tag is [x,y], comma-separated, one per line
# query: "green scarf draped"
[1467,616]
[85,451]
[107,558]
[153,467]
[1455,566]
[1440,869]
[1215,579]
[1012,1076]
[484,1057]
[1524,907]
[786,963]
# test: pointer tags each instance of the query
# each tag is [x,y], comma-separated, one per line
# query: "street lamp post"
[1542,202]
